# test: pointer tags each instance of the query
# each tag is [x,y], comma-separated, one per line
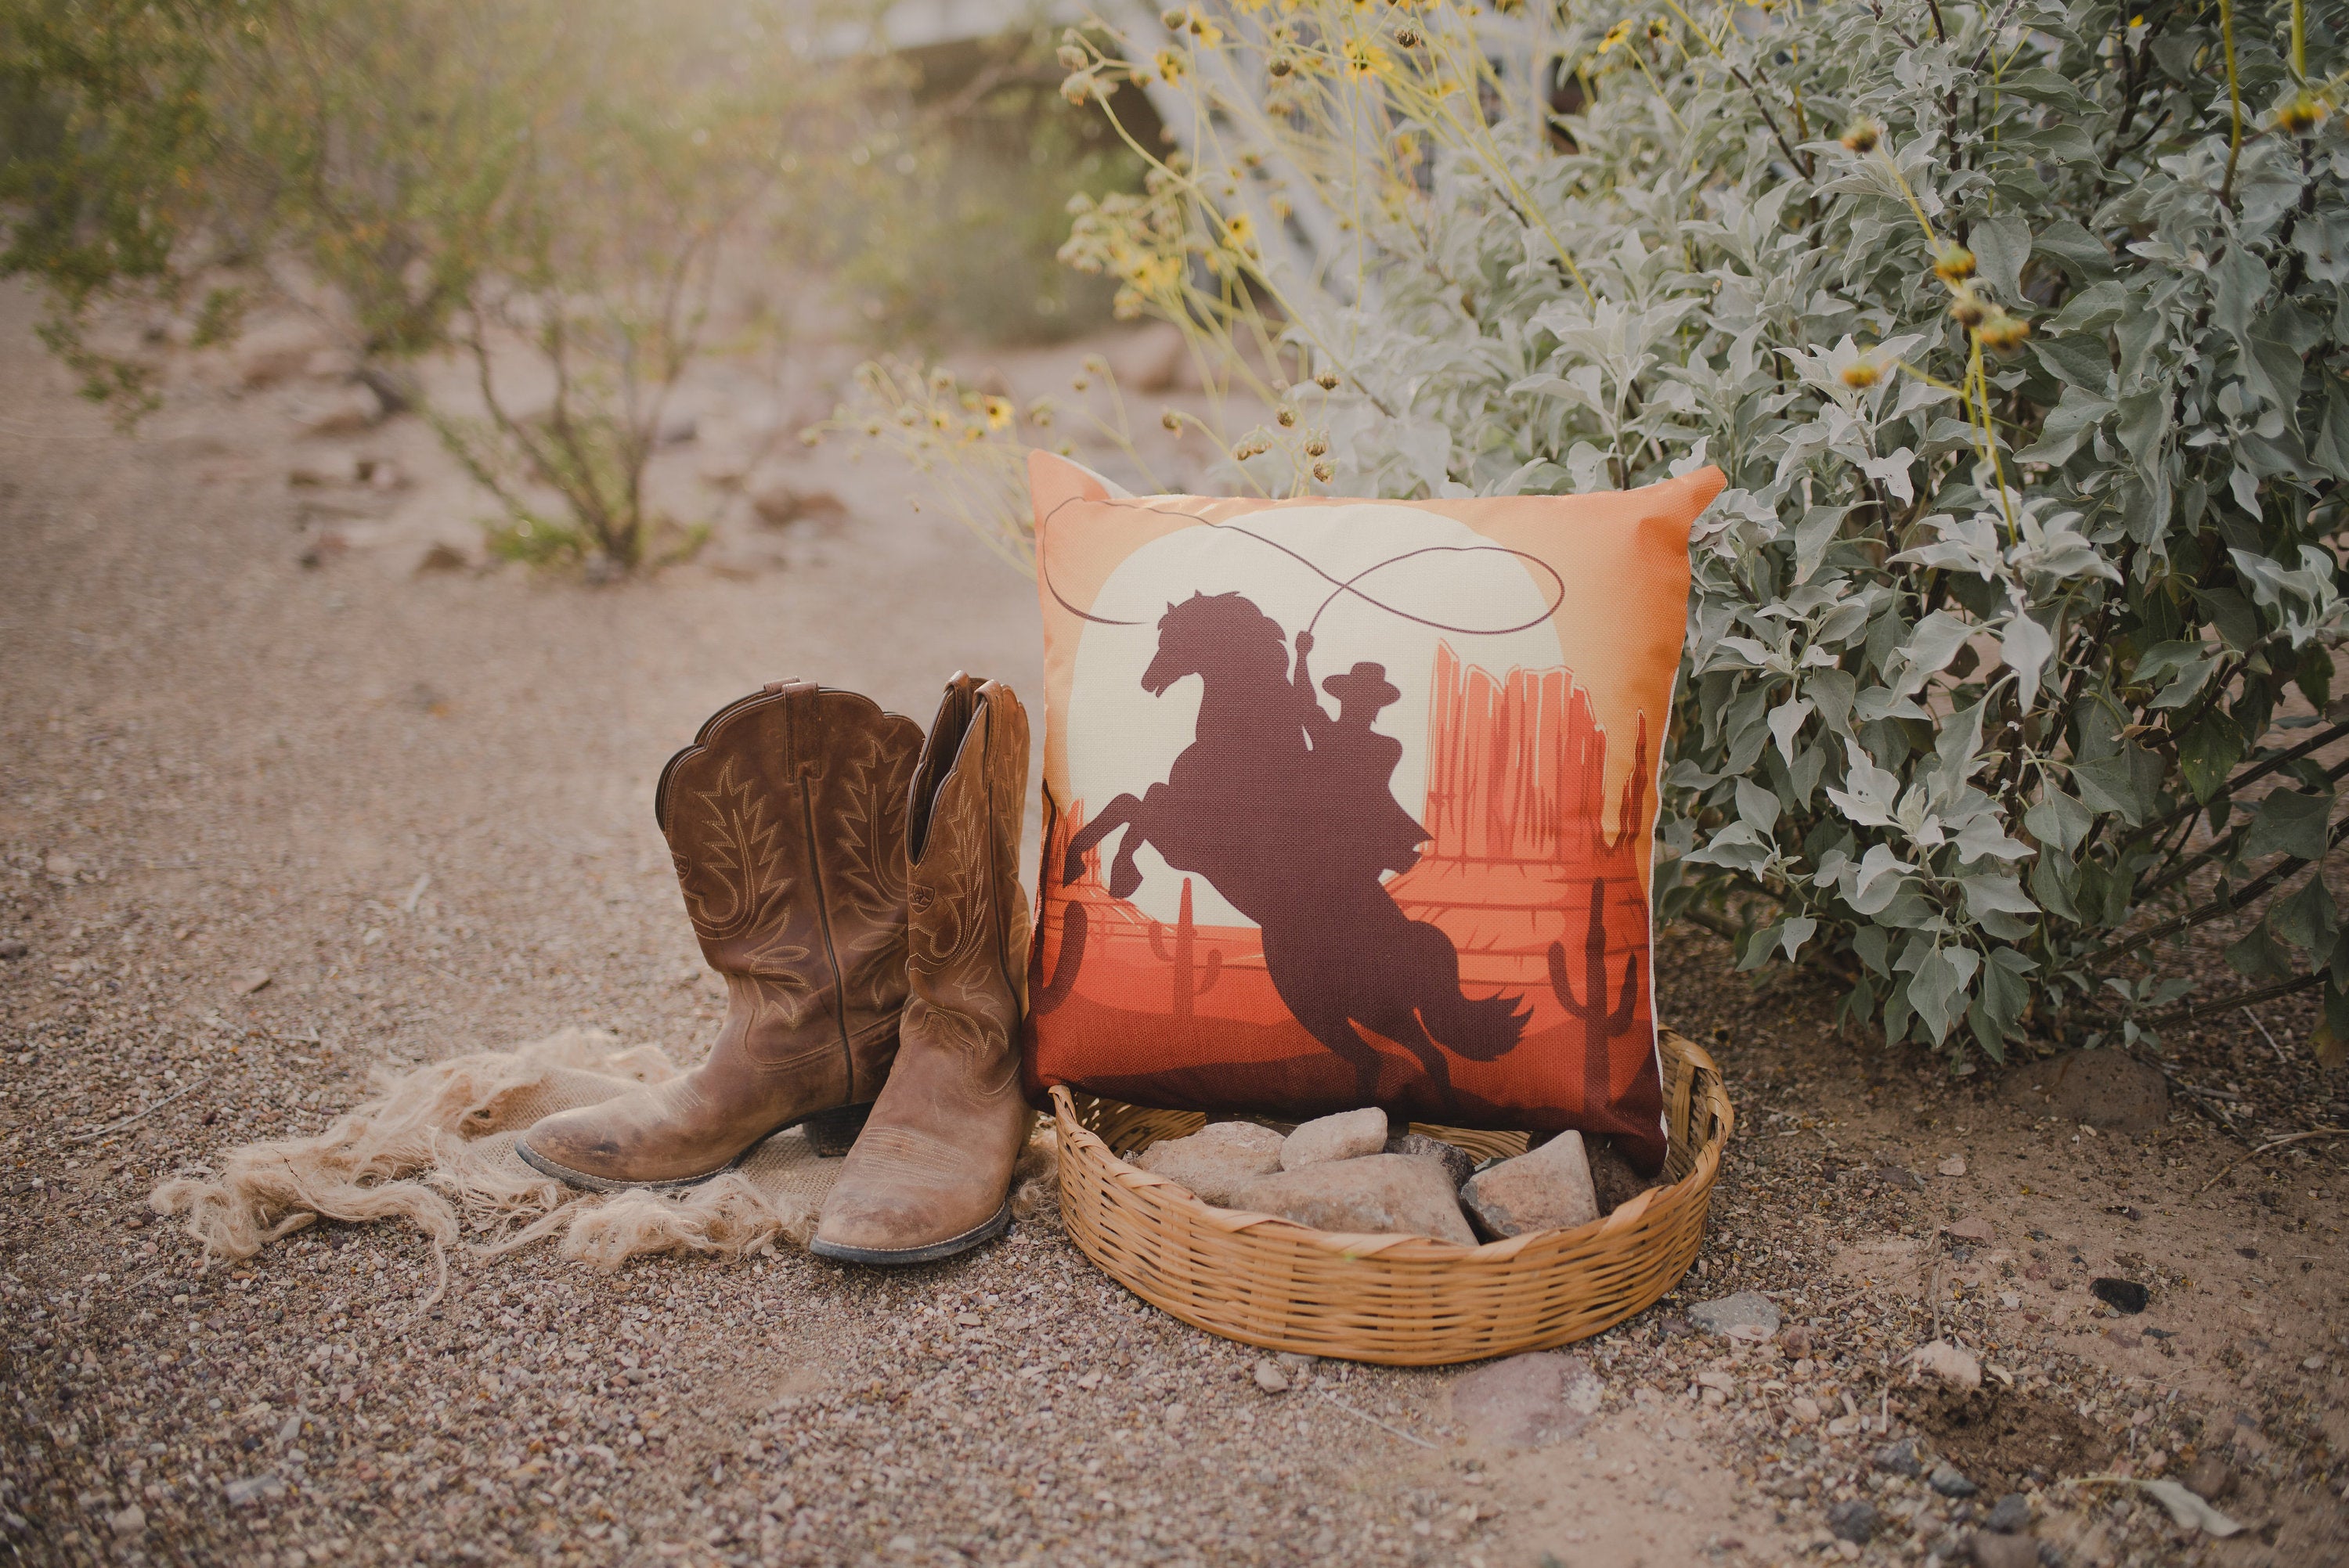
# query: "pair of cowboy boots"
[857,886]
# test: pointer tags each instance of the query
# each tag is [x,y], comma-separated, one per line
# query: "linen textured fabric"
[1352,802]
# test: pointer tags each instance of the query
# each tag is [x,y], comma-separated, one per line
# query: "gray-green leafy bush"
[2021,331]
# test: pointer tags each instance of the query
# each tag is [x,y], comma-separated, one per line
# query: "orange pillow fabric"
[1352,802]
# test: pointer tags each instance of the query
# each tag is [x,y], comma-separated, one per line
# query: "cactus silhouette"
[1190,980]
[1055,988]
[1599,1025]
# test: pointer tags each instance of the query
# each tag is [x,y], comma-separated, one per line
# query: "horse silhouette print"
[1289,814]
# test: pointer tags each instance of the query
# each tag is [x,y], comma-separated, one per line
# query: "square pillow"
[1352,802]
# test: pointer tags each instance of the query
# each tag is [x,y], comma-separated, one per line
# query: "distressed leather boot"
[930,1175]
[786,818]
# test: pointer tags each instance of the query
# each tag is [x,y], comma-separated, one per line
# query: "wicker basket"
[1403,1300]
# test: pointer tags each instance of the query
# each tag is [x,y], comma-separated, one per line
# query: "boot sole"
[894,1257]
[844,1114]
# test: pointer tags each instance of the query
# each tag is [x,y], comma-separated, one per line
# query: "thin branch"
[118,1126]
[2182,1016]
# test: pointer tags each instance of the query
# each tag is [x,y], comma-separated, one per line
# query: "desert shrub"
[545,190]
[2020,330]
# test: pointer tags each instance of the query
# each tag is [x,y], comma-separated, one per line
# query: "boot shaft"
[968,948]
[786,820]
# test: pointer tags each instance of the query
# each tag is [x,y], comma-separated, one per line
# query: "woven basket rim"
[1352,1246]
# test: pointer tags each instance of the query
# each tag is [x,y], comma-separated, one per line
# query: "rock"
[253,1488]
[778,502]
[1955,1165]
[251,980]
[1856,1522]
[277,350]
[1972,1228]
[2120,1295]
[2009,1515]
[1994,1551]
[1458,1163]
[1899,1176]
[2210,1477]
[2105,1088]
[1216,1161]
[1745,1316]
[1296,1360]
[1345,1136]
[62,865]
[1899,1458]
[1950,1482]
[1954,1365]
[1378,1195]
[1797,1340]
[14,947]
[342,412]
[1526,1401]
[1613,1178]
[1804,1409]
[1546,1189]
[441,557]
[1270,1379]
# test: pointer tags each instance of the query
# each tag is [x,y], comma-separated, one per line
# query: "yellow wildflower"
[998,413]
[1170,66]
[1614,35]
[1364,58]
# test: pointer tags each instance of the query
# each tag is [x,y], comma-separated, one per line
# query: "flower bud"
[1860,374]
[1172,420]
[1072,58]
[2004,332]
[1172,18]
[1967,310]
[1863,135]
[1279,65]
[1324,473]
[1327,381]
[1288,416]
[1316,447]
[1953,263]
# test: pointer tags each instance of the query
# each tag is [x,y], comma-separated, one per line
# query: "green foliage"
[2009,643]
[543,188]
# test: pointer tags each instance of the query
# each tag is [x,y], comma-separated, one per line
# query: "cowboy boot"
[786,820]
[930,1175]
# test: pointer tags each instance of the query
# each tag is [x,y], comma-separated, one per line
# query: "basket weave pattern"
[1402,1300]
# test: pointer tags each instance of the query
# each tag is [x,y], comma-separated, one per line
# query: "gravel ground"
[418,806]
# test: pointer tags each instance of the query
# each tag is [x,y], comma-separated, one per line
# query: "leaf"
[1758,805]
[2000,245]
[2209,752]
[1786,722]
[2330,1039]
[2290,823]
[2118,783]
[2308,919]
[2026,647]
[2259,957]
[2057,819]
[1936,641]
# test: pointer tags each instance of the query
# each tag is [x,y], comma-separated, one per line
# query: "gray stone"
[1547,1189]
[1949,1481]
[1900,1459]
[14,947]
[1217,1161]
[1613,1178]
[1270,1378]
[2101,1087]
[1458,1163]
[2011,1515]
[1526,1401]
[131,1521]
[1856,1522]
[1380,1195]
[1994,1551]
[1745,1316]
[1349,1135]
[253,1488]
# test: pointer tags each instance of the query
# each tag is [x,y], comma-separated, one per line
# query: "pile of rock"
[1352,1173]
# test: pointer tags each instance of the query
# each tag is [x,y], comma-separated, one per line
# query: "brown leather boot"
[786,818]
[931,1173]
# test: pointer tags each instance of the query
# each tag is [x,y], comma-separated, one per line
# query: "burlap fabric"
[435,1147]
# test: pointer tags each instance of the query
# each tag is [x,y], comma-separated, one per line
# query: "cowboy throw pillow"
[1351,803]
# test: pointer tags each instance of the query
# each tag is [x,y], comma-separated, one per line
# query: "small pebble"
[1745,1315]
[1270,1377]
[2120,1295]
[1950,1482]
[1855,1521]
[2009,1515]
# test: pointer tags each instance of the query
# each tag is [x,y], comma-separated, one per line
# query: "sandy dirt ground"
[252,728]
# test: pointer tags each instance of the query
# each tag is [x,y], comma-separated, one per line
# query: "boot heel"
[833,1132]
